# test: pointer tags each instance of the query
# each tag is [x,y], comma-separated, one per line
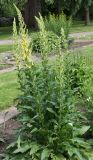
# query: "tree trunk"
[32,8]
[87,16]
[59,6]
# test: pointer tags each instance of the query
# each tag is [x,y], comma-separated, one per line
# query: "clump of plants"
[55,23]
[50,121]
[76,72]
[52,41]
[88,100]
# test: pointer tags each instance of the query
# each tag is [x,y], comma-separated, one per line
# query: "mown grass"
[88,54]
[8,89]
[79,26]
[5,33]
[6,48]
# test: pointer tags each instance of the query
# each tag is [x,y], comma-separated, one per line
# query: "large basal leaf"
[81,131]
[51,111]
[34,149]
[80,142]
[79,155]
[22,149]
[45,154]
[11,145]
[57,157]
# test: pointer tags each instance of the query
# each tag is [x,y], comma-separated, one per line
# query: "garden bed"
[8,133]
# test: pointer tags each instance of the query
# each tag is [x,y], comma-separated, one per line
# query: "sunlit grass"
[8,89]
[6,48]
[79,26]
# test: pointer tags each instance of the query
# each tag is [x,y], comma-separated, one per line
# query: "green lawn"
[79,26]
[87,52]
[5,33]
[5,48]
[8,89]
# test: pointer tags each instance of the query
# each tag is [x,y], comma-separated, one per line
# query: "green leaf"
[45,154]
[11,145]
[81,142]
[34,149]
[83,130]
[79,155]
[34,130]
[58,157]
[18,142]
[51,111]
[22,149]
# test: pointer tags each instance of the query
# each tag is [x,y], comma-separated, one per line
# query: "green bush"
[50,120]
[52,40]
[55,23]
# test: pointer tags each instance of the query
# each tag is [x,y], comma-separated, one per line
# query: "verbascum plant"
[43,37]
[23,43]
[49,119]
[55,23]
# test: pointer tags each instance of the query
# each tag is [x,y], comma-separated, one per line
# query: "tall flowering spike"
[23,41]
[15,42]
[14,29]
[43,36]
[63,34]
[63,39]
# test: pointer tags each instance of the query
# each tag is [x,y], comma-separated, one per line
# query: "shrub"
[52,40]
[55,23]
[50,127]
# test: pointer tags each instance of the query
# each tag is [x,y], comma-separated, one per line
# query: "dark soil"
[8,133]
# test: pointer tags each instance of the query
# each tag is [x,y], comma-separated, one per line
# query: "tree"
[74,5]
[33,8]
[30,9]
[86,5]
